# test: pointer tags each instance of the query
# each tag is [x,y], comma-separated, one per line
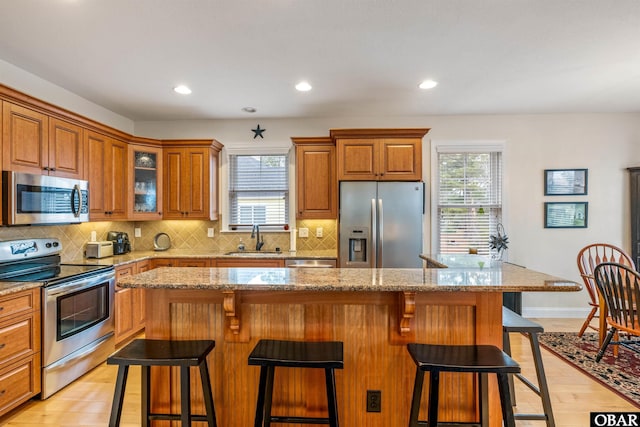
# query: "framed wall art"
[566,214]
[565,182]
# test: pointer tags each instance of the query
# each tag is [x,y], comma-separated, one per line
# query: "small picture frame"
[566,214]
[565,182]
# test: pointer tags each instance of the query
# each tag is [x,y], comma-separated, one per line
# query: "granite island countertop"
[503,278]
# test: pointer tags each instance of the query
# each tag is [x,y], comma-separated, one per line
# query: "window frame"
[225,169]
[462,146]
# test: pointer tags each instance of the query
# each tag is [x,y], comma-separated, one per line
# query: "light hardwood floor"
[87,402]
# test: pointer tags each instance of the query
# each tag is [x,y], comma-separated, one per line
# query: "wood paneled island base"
[375,313]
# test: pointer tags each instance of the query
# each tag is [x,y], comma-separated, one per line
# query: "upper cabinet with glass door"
[146,182]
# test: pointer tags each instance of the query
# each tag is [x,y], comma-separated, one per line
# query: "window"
[258,190]
[469,199]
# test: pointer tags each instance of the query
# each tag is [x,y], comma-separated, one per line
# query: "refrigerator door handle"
[374,234]
[380,234]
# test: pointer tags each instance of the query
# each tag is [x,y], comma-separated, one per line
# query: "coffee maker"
[121,244]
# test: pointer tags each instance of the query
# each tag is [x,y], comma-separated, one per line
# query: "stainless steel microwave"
[40,199]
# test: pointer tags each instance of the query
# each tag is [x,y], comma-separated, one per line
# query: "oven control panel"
[27,248]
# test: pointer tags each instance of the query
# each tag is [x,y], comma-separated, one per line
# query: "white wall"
[606,144]
[18,79]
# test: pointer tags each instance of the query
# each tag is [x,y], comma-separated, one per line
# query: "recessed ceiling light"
[182,90]
[249,110]
[428,84]
[303,87]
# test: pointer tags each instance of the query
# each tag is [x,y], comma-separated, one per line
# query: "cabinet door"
[357,159]
[139,302]
[191,262]
[400,159]
[96,148]
[145,183]
[316,184]
[66,149]
[187,183]
[196,183]
[251,262]
[25,139]
[116,170]
[173,198]
[105,169]
[123,305]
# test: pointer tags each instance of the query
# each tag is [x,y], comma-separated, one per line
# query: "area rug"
[621,374]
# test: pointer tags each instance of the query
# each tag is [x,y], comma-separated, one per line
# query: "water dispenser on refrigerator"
[355,246]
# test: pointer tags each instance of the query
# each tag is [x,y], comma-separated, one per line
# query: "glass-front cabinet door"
[146,182]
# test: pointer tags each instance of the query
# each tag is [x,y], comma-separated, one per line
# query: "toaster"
[99,249]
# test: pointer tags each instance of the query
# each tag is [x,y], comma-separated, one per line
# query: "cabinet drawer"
[19,382]
[19,303]
[18,338]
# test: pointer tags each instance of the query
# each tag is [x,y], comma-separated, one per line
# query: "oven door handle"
[66,288]
[86,353]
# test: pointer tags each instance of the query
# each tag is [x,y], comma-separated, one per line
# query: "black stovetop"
[47,270]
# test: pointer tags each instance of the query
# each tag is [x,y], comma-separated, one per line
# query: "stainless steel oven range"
[77,308]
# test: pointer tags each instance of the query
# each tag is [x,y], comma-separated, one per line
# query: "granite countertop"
[136,256]
[7,288]
[506,278]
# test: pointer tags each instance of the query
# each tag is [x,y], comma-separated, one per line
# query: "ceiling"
[362,57]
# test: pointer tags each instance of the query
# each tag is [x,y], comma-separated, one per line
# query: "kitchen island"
[375,312]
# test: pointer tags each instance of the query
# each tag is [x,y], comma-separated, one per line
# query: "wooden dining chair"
[619,285]
[588,258]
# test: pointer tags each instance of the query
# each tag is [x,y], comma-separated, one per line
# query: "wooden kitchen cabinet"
[20,356]
[42,145]
[379,154]
[249,262]
[130,312]
[191,179]
[316,182]
[181,262]
[106,170]
[145,182]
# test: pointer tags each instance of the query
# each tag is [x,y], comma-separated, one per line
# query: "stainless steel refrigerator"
[380,224]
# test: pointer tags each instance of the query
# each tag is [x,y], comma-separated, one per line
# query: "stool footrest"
[299,420]
[175,417]
[540,417]
[451,424]
[528,383]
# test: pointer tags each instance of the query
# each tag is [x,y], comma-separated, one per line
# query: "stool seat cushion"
[147,352]
[462,358]
[301,354]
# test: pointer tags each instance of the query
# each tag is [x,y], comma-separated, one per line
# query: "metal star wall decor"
[258,132]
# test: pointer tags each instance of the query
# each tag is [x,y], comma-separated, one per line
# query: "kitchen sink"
[253,254]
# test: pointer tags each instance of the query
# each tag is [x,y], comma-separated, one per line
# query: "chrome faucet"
[255,234]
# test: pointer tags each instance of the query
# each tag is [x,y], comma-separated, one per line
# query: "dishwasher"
[310,263]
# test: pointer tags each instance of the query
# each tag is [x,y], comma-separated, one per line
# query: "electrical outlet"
[303,232]
[374,401]
[209,232]
[137,232]
[319,232]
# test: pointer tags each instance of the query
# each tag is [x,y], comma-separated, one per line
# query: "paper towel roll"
[292,240]
[93,236]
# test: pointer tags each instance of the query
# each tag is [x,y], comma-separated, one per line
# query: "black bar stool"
[480,359]
[513,322]
[269,354]
[146,353]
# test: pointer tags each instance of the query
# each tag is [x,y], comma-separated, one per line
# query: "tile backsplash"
[188,235]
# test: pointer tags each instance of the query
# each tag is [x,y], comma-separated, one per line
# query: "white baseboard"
[555,312]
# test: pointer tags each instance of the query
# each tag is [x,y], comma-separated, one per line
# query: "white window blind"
[258,190]
[469,200]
